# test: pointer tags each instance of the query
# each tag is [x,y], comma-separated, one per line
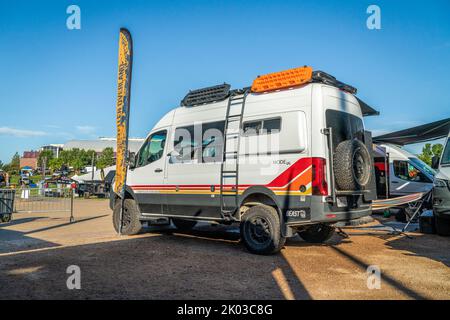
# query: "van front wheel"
[317,233]
[261,230]
[130,220]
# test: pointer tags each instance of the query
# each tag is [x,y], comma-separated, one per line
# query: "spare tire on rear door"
[352,165]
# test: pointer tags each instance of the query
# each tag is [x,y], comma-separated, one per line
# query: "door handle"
[158,170]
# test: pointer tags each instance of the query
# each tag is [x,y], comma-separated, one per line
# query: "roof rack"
[273,81]
[206,95]
[323,77]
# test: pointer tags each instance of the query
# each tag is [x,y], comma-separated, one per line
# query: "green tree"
[7,168]
[106,158]
[437,149]
[429,150]
[14,165]
[1,165]
[45,155]
[55,164]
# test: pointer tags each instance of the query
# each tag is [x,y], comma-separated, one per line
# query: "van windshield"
[446,154]
[345,126]
[422,166]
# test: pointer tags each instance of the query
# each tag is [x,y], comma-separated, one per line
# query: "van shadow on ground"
[161,266]
[205,263]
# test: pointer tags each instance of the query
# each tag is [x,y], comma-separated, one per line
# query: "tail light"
[319,183]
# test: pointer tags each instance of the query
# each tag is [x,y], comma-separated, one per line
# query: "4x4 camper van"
[288,155]
[441,191]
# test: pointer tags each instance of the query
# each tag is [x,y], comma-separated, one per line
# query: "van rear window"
[345,126]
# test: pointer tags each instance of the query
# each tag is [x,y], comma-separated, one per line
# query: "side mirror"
[132,160]
[173,156]
[173,153]
[435,162]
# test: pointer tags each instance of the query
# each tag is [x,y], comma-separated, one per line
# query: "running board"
[151,216]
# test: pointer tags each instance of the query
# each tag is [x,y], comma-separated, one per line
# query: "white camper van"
[405,172]
[441,191]
[280,158]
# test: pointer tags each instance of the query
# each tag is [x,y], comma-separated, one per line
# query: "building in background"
[55,148]
[100,144]
[29,159]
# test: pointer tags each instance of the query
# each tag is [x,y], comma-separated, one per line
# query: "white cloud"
[21,133]
[85,129]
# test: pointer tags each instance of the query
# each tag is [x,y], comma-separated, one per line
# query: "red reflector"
[319,183]
[331,216]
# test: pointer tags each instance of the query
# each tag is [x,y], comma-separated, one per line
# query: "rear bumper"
[325,212]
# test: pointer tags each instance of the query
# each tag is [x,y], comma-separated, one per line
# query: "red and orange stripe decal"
[295,180]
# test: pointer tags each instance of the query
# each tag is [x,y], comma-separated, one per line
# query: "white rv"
[279,159]
[441,191]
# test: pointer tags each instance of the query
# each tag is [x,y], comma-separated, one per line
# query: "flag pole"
[123,116]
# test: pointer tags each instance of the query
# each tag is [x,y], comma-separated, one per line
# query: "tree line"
[73,158]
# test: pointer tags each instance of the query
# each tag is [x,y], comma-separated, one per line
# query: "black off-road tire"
[442,226]
[261,230]
[317,233]
[131,224]
[352,165]
[184,225]
[6,217]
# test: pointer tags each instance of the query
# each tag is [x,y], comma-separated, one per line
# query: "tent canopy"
[427,132]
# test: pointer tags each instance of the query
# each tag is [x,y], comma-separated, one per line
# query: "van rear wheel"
[261,230]
[317,233]
[130,220]
[184,225]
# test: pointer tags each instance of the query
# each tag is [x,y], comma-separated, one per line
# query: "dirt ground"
[209,262]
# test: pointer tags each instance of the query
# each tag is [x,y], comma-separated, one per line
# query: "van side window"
[152,149]
[207,147]
[446,154]
[266,126]
[184,144]
[406,171]
[272,125]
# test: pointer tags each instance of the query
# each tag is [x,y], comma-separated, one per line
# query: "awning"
[366,109]
[427,132]
[382,204]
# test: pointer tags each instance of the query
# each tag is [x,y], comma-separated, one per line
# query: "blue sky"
[60,84]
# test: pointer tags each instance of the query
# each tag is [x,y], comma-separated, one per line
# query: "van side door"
[193,170]
[406,179]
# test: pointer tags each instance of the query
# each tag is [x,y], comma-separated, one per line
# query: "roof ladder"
[229,170]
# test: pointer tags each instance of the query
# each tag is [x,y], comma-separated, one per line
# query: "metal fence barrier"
[6,204]
[32,200]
